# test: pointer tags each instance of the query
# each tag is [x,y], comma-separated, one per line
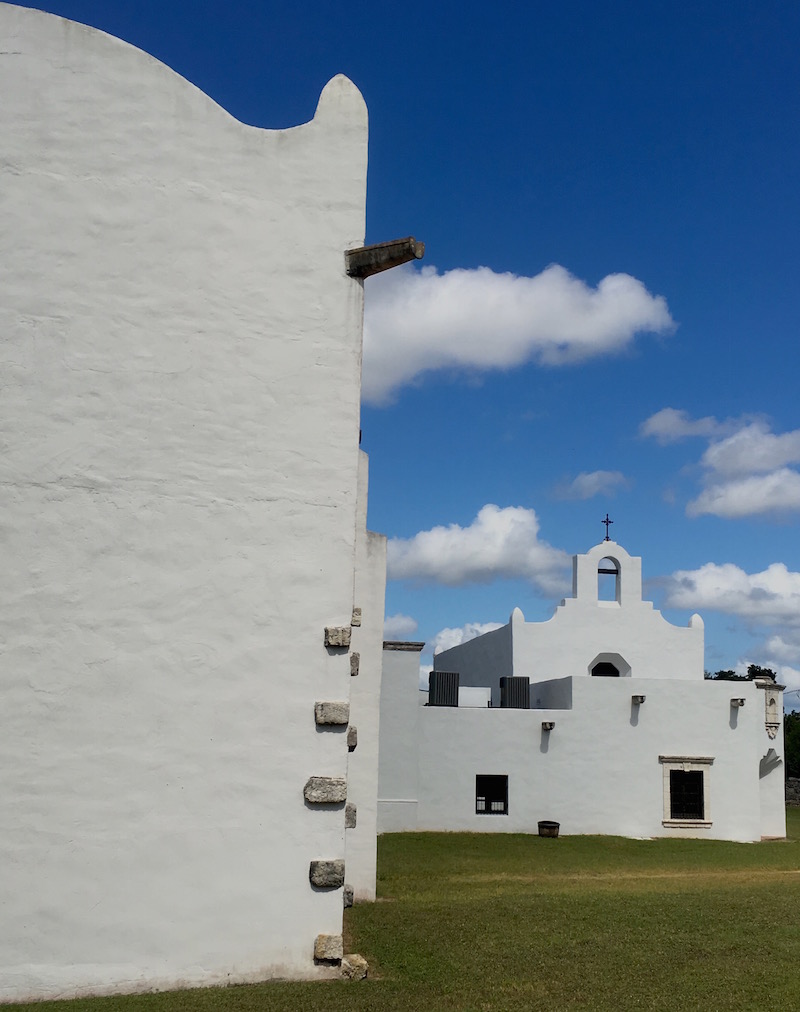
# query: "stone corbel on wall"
[337,635]
[328,948]
[333,713]
[326,874]
[325,790]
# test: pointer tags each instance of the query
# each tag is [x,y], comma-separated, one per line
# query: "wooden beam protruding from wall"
[368,260]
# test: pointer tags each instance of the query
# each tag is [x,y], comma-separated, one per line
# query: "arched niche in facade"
[610,665]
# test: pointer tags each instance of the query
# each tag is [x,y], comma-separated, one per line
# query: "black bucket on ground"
[547,828]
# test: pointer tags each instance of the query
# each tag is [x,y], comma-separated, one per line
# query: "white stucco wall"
[181,354]
[582,629]
[365,691]
[598,770]
[399,766]
[482,661]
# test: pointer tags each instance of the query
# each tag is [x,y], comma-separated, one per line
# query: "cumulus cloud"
[591,483]
[745,467]
[753,449]
[768,601]
[790,677]
[417,321]
[771,596]
[447,638]
[778,492]
[398,627]
[670,426]
[498,543]
[784,647]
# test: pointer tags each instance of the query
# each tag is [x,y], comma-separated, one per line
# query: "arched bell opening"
[608,580]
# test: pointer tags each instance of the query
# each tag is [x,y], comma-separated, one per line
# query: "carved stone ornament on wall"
[772,711]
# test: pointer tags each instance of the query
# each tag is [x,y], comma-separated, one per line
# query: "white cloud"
[591,483]
[769,600]
[770,597]
[498,543]
[784,647]
[417,321]
[447,638]
[744,467]
[778,492]
[670,425]
[753,449]
[398,627]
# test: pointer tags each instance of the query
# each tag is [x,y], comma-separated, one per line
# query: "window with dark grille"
[686,794]
[491,795]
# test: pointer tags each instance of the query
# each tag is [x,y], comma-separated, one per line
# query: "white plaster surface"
[583,629]
[181,354]
[365,691]
[474,695]
[599,769]
[400,762]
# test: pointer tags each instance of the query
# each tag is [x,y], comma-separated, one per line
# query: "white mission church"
[599,719]
[191,608]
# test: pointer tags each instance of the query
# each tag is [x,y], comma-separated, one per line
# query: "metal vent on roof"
[443,688]
[515,692]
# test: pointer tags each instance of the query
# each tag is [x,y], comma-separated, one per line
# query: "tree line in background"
[791,721]
[753,671]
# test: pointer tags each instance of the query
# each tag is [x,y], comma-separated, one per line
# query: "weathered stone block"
[354,967]
[352,737]
[350,815]
[355,659]
[356,619]
[337,636]
[347,896]
[325,790]
[326,874]
[332,712]
[328,947]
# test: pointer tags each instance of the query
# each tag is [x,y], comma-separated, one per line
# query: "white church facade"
[191,658]
[599,719]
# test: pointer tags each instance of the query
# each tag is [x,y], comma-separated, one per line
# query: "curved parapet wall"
[181,353]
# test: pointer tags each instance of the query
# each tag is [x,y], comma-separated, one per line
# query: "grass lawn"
[478,921]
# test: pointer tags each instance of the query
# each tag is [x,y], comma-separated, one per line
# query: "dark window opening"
[491,795]
[686,794]
[606,669]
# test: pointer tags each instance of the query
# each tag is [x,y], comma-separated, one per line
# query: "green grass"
[477,922]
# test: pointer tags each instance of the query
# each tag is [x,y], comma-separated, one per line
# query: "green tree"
[728,675]
[756,671]
[791,744]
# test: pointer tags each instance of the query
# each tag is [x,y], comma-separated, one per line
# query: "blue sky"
[512,395]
